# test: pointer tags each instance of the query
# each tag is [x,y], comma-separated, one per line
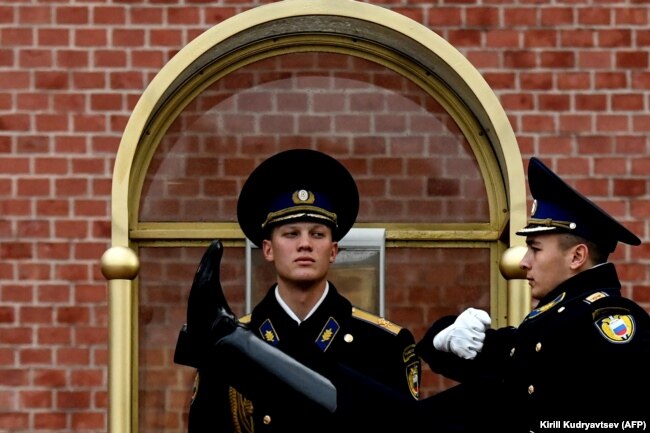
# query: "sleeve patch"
[413,377]
[408,353]
[616,328]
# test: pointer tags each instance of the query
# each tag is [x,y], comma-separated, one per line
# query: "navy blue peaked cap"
[297,185]
[557,207]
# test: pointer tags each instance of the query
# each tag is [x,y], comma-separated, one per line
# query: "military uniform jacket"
[582,355]
[336,333]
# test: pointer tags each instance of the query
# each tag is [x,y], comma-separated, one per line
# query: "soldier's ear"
[334,252]
[267,250]
[580,256]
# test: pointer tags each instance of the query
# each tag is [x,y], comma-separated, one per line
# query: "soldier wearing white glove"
[465,336]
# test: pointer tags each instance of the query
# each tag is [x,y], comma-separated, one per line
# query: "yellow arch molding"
[455,69]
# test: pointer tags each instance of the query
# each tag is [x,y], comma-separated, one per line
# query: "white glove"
[465,336]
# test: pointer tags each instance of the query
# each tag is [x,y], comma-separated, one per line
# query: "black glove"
[208,315]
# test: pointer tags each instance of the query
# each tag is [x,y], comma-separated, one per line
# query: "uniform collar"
[601,277]
[290,312]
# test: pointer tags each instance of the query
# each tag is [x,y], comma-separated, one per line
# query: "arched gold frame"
[341,26]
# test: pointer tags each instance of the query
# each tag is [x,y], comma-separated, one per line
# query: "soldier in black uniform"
[581,356]
[295,206]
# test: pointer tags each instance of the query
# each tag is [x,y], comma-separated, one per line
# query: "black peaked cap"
[559,207]
[297,185]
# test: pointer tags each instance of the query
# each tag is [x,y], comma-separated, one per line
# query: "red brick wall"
[573,79]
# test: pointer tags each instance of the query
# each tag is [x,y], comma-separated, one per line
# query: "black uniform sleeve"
[486,366]
[385,352]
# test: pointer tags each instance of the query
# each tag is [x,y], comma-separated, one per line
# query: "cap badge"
[303,196]
[533,208]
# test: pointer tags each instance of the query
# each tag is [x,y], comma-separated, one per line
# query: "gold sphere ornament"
[120,263]
[509,264]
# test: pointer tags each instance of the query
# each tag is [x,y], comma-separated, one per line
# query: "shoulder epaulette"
[245,319]
[376,320]
[593,297]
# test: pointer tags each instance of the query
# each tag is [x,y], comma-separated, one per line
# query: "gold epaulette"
[376,320]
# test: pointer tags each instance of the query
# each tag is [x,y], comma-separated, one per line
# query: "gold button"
[538,347]
[512,351]
[559,310]
[348,338]
[266,419]
[531,389]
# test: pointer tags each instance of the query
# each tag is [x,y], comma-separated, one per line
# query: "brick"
[631,15]
[36,315]
[126,80]
[69,103]
[183,15]
[612,123]
[72,15]
[558,59]
[594,60]
[72,400]
[631,59]
[146,15]
[630,187]
[628,102]
[16,122]
[166,38]
[578,38]
[51,207]
[88,420]
[52,122]
[35,59]
[35,14]
[108,15]
[53,37]
[72,356]
[16,37]
[54,336]
[14,377]
[28,357]
[50,420]
[110,58]
[14,421]
[89,123]
[96,37]
[610,80]
[50,377]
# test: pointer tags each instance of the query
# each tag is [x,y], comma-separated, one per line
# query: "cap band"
[301,203]
[548,222]
[296,212]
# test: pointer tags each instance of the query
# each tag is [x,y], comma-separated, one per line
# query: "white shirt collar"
[290,312]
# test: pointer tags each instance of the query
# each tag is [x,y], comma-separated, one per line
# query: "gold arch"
[386,37]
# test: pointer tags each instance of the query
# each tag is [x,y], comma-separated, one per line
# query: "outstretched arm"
[213,338]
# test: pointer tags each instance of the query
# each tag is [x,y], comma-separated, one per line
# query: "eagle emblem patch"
[413,374]
[616,328]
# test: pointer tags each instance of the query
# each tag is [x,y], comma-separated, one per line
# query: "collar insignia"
[267,331]
[537,311]
[327,334]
